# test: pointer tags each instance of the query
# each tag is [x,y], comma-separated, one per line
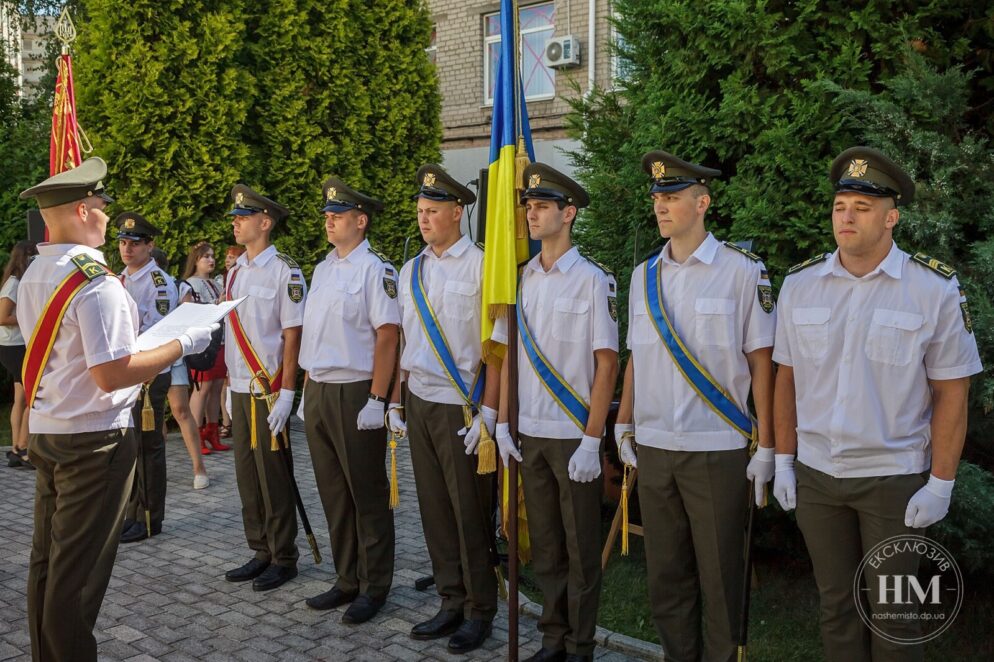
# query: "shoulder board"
[807,263]
[90,267]
[598,265]
[940,268]
[738,249]
[479,245]
[158,279]
[383,258]
[289,261]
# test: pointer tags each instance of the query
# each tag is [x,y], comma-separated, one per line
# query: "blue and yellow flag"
[510,151]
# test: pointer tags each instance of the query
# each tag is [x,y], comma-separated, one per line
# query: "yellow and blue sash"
[716,397]
[436,338]
[567,399]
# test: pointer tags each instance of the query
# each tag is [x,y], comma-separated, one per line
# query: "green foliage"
[184,99]
[968,529]
[744,86]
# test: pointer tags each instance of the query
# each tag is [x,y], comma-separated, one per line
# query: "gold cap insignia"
[534,181]
[658,170]
[239,198]
[857,168]
[429,179]
[129,224]
[332,193]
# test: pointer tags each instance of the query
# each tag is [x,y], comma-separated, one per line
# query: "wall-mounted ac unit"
[562,52]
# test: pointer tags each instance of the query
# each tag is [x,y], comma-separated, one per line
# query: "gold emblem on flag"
[332,193]
[534,181]
[129,224]
[857,168]
[429,179]
[239,198]
[658,170]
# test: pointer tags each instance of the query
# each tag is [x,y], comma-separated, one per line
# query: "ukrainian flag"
[506,240]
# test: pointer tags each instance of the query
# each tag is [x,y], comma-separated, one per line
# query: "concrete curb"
[613,641]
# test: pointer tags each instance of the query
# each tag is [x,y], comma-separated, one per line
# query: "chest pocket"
[346,299]
[714,320]
[569,323]
[643,331]
[259,304]
[459,300]
[893,336]
[812,331]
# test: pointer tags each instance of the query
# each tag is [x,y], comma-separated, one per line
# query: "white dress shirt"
[863,350]
[452,282]
[154,301]
[270,285]
[349,299]
[569,313]
[99,326]
[713,302]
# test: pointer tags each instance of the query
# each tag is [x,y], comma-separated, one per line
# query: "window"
[432,49]
[536,24]
[621,67]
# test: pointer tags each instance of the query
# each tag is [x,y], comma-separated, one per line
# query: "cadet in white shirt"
[261,345]
[440,295]
[567,323]
[154,293]
[875,350]
[349,350]
[692,479]
[80,394]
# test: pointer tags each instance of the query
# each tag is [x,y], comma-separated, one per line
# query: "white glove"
[505,445]
[396,421]
[300,407]
[585,465]
[929,504]
[760,470]
[227,402]
[281,411]
[784,482]
[486,416]
[371,416]
[197,338]
[625,451]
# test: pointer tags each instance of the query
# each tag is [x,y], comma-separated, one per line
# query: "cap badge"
[429,179]
[332,193]
[534,181]
[857,168]
[129,224]
[239,198]
[658,170]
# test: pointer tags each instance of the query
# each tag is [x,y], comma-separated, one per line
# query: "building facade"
[24,44]
[464,48]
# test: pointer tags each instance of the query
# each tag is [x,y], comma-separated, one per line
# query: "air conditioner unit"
[562,52]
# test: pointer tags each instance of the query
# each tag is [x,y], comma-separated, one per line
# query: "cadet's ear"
[893,215]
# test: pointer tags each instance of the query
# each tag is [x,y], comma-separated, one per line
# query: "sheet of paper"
[185,316]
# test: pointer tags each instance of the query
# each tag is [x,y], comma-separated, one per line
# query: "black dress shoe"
[363,609]
[573,657]
[546,655]
[134,533]
[273,577]
[443,624]
[250,570]
[470,636]
[330,599]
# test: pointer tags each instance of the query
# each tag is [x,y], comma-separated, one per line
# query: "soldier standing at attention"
[876,350]
[81,377]
[349,350]
[440,307]
[261,344]
[701,324]
[154,293]
[567,368]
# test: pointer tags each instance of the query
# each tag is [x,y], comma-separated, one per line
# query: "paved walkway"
[168,599]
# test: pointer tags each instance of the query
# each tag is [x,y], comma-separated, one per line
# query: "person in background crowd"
[12,350]
[179,402]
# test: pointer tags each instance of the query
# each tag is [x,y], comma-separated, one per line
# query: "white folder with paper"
[185,316]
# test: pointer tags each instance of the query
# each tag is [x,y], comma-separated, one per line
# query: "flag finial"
[65,30]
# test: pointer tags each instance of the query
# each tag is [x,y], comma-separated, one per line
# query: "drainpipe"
[591,45]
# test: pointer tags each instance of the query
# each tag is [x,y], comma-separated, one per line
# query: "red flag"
[64,149]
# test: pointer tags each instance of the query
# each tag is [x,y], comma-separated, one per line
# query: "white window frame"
[496,39]
[432,49]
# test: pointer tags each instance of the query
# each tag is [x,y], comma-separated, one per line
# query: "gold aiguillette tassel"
[394,487]
[148,416]
[487,452]
[624,512]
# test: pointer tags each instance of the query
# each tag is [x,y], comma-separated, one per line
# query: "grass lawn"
[783,619]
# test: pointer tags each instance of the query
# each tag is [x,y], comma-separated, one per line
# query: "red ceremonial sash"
[271,384]
[47,327]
